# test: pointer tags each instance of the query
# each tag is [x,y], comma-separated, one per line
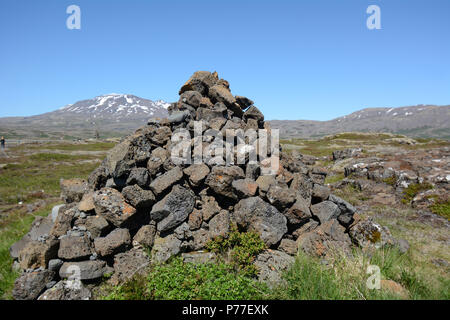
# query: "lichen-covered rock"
[366,234]
[257,215]
[67,290]
[111,205]
[271,264]
[219,225]
[30,284]
[165,247]
[129,263]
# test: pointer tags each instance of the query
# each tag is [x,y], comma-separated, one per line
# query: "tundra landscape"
[130,218]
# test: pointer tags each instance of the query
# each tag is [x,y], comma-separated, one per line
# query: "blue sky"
[310,59]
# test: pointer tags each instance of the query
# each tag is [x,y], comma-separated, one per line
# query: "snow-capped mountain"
[117,106]
[109,115]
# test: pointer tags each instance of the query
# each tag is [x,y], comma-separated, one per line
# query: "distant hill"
[116,115]
[426,121]
[111,115]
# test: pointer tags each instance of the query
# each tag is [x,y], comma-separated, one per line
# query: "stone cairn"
[139,207]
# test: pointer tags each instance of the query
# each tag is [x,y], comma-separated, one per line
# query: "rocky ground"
[400,182]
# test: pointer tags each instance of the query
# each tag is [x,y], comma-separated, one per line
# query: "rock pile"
[141,198]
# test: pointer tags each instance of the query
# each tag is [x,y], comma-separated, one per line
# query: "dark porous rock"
[129,263]
[347,210]
[165,181]
[67,290]
[37,254]
[271,265]
[326,239]
[41,227]
[84,270]
[209,207]
[219,93]
[30,284]
[72,190]
[299,212]
[55,264]
[116,241]
[325,211]
[256,215]
[254,113]
[288,246]
[264,183]
[221,178]
[347,153]
[111,205]
[320,193]
[305,228]
[145,236]
[195,219]
[245,188]
[97,179]
[244,102]
[161,136]
[280,197]
[87,203]
[200,239]
[96,225]
[200,81]
[179,116]
[197,173]
[165,247]
[192,98]
[252,171]
[138,176]
[138,197]
[75,248]
[219,225]
[157,159]
[303,184]
[174,208]
[63,222]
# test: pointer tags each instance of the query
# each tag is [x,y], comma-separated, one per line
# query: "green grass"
[442,209]
[330,179]
[345,278]
[413,190]
[12,231]
[177,280]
